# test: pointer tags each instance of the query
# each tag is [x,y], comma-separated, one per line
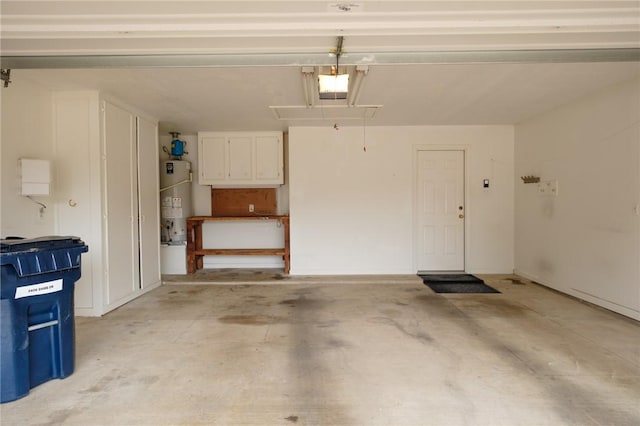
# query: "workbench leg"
[287,246]
[191,257]
[198,237]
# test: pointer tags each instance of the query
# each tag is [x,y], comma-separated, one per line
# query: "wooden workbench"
[195,251]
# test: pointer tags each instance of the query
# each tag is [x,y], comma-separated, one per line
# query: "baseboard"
[579,294]
[489,271]
[344,272]
[86,312]
[127,299]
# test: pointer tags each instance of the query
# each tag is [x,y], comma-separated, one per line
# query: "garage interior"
[523,90]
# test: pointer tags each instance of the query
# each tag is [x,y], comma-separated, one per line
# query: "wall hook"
[5,75]
[530,179]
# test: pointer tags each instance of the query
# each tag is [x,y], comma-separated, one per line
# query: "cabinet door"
[77,178]
[148,203]
[121,208]
[240,158]
[268,151]
[212,159]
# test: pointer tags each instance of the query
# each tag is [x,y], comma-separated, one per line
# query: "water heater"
[175,200]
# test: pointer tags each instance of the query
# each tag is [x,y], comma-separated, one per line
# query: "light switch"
[485,183]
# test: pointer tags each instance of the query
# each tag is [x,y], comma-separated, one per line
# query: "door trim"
[467,201]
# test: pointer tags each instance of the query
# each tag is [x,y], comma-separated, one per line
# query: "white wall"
[585,241]
[26,133]
[200,194]
[352,212]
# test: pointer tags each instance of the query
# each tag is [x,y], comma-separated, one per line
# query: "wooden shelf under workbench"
[195,252]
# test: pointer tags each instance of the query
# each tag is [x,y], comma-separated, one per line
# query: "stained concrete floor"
[345,351]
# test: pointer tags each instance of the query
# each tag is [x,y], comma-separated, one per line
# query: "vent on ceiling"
[345,7]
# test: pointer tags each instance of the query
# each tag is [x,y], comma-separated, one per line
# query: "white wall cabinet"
[228,159]
[107,193]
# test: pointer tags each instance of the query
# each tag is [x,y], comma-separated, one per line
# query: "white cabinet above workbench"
[241,159]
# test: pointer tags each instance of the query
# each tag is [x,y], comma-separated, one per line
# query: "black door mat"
[456,283]
[450,278]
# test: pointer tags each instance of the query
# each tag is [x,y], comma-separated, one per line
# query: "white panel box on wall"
[35,176]
[549,187]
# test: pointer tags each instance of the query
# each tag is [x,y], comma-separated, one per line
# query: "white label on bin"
[38,289]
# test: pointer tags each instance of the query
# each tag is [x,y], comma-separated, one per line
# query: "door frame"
[467,201]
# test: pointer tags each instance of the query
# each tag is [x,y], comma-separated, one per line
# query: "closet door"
[148,202]
[78,188]
[120,204]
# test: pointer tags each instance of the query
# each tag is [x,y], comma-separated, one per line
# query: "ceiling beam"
[320,59]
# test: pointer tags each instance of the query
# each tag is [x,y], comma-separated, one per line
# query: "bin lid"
[52,242]
[40,255]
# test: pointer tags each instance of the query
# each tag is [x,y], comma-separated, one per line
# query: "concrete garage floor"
[345,351]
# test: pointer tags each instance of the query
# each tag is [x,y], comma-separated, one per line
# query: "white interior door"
[440,211]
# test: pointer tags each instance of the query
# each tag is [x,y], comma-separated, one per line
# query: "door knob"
[461,216]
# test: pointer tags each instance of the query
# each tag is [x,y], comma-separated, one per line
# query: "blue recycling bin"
[37,325]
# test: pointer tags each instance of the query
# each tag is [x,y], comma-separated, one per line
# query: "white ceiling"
[193,99]
[249,56]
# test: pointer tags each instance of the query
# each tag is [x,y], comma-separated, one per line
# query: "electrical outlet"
[251,208]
